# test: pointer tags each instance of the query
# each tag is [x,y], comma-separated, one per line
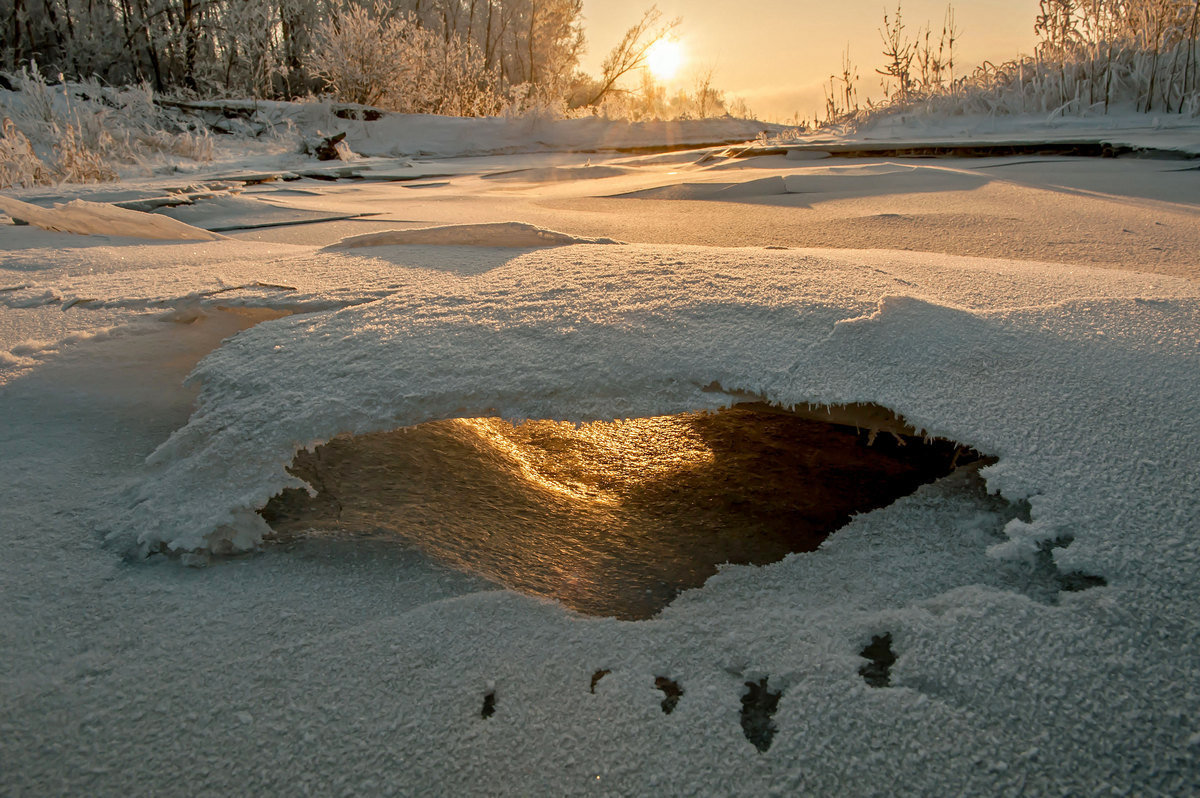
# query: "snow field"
[352,667]
[794,327]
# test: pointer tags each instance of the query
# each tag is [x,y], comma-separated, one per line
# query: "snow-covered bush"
[1092,57]
[19,164]
[364,55]
[372,56]
[461,82]
[85,132]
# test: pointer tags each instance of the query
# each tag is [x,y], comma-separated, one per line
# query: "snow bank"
[495,234]
[393,135]
[1166,132]
[398,135]
[835,181]
[97,218]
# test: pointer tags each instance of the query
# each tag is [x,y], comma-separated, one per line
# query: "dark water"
[607,518]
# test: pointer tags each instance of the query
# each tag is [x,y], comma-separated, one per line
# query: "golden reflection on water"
[599,461]
[610,518]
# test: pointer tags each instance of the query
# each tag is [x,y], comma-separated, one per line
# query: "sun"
[664,58]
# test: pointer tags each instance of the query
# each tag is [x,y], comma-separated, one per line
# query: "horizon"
[989,30]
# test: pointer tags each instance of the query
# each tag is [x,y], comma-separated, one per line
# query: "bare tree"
[630,53]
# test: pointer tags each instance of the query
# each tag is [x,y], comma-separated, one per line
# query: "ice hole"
[759,703]
[613,518]
[877,671]
[596,677]
[489,705]
[672,692]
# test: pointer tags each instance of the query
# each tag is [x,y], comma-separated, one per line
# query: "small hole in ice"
[880,658]
[671,690]
[759,703]
[489,705]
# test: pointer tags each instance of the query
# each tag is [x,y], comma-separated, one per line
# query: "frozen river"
[1042,607]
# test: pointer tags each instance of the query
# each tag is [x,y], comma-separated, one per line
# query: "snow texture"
[573,337]
[1002,680]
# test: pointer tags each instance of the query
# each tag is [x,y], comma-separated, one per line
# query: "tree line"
[441,56]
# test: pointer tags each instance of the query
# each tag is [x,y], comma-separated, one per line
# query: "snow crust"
[573,337]
[1084,383]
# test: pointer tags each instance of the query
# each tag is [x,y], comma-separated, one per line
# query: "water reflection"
[598,462]
[608,518]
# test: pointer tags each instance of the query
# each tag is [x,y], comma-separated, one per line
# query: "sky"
[778,54]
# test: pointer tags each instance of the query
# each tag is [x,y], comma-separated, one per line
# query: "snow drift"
[99,218]
[495,234]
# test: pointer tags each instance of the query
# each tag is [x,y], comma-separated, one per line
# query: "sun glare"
[664,58]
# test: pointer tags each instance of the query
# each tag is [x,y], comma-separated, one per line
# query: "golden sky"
[777,54]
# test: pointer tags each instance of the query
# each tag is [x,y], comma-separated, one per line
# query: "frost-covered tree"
[376,56]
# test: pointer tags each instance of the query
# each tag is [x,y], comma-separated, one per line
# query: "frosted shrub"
[529,100]
[455,79]
[19,164]
[77,162]
[373,57]
[1141,55]
[37,102]
[136,103]
[80,133]
[197,146]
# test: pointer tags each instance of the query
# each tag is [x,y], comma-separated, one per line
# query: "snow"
[84,218]
[1045,311]
[574,337]
[228,212]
